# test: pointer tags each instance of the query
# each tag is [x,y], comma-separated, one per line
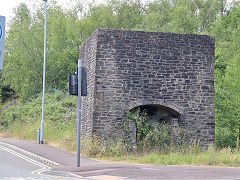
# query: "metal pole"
[38,135]
[79,111]
[44,70]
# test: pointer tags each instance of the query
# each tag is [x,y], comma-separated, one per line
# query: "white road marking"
[44,167]
[152,169]
[25,158]
[27,152]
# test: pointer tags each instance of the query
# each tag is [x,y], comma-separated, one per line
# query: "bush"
[151,136]
[23,119]
[96,147]
[224,138]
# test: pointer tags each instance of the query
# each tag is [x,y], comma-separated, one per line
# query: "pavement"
[65,162]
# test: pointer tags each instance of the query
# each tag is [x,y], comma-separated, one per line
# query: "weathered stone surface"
[127,69]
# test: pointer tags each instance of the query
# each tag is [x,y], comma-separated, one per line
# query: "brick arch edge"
[169,105]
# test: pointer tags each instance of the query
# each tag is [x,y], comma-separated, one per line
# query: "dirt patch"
[12,102]
[5,134]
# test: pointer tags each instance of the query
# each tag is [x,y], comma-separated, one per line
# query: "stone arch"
[159,111]
[172,107]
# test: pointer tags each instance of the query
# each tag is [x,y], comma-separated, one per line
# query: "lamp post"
[44,70]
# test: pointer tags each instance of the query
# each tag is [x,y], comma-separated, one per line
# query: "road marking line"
[152,169]
[52,176]
[106,177]
[77,176]
[29,153]
[71,174]
[44,167]
[38,171]
[24,157]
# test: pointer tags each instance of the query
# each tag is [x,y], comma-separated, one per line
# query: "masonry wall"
[88,55]
[127,69]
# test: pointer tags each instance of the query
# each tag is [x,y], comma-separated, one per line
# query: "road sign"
[73,83]
[2,38]
[84,82]
[1,32]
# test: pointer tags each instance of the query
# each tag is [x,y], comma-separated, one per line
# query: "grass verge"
[23,120]
[209,157]
[182,155]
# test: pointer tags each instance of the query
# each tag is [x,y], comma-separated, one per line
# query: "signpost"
[73,83]
[78,86]
[79,111]
[2,38]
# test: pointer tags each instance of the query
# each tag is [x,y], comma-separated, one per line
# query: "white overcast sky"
[7,6]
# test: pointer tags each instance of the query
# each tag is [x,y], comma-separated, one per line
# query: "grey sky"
[6,6]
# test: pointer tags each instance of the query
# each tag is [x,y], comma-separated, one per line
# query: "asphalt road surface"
[14,166]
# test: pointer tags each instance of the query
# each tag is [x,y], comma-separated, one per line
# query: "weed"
[152,136]
[157,145]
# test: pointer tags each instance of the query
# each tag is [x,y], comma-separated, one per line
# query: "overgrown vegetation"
[22,121]
[184,156]
[67,29]
[158,145]
[60,132]
[152,136]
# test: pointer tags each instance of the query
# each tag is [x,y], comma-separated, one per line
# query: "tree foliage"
[67,29]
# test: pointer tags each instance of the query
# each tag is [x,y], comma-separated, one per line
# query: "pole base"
[41,142]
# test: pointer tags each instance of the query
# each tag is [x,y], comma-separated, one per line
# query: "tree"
[228,79]
[24,50]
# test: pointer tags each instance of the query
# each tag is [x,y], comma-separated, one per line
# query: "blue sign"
[2,38]
[1,31]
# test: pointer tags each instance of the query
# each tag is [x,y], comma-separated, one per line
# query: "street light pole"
[44,70]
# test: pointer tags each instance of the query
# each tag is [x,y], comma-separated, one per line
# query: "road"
[14,166]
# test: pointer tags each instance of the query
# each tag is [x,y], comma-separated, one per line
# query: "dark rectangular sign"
[73,83]
[84,82]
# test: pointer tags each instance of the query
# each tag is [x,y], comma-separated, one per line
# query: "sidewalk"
[68,161]
[98,170]
[54,154]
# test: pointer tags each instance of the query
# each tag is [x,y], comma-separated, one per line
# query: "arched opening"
[150,117]
[160,114]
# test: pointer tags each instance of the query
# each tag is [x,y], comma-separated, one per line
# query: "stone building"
[172,75]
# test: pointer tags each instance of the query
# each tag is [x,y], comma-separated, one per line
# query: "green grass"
[60,115]
[183,155]
[209,157]
[22,122]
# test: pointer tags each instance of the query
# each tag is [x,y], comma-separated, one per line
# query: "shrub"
[224,138]
[151,136]
[96,147]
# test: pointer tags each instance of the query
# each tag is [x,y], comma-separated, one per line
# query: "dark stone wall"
[88,53]
[127,69]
